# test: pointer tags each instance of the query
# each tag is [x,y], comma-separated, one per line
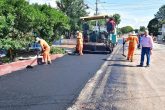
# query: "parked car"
[34,46]
[3,53]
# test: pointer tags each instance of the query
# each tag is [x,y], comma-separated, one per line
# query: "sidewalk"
[121,85]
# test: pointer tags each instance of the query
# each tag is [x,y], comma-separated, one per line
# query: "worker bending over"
[133,41]
[45,50]
[79,46]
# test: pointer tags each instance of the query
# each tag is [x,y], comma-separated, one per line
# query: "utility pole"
[96,12]
[96,20]
[96,7]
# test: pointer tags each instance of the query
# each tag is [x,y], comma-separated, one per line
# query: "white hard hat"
[38,39]
[133,33]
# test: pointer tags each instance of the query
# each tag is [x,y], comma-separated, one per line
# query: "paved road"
[123,86]
[48,87]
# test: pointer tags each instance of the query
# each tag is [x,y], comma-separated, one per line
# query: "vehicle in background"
[34,46]
[98,41]
[3,53]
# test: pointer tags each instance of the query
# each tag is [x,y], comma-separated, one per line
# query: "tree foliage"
[126,29]
[142,28]
[153,26]
[19,19]
[160,15]
[74,9]
[117,18]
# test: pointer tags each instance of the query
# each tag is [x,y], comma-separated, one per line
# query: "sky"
[133,13]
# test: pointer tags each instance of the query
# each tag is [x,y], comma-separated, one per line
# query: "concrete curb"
[19,65]
[90,87]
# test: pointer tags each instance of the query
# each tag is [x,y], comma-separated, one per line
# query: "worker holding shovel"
[45,50]
[133,41]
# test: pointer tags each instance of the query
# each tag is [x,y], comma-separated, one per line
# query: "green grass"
[57,50]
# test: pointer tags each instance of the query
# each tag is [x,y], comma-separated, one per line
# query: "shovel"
[30,66]
[123,48]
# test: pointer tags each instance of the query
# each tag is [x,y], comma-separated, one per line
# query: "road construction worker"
[45,50]
[79,46]
[133,41]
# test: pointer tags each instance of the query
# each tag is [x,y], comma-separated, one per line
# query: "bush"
[5,60]
[57,50]
[13,44]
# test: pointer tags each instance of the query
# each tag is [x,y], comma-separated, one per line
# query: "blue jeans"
[145,51]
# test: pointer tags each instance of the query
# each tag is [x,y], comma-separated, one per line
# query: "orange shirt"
[44,44]
[80,39]
[133,40]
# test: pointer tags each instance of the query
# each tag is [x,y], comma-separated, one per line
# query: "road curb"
[88,90]
[19,65]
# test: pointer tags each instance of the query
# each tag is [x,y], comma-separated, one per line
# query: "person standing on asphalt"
[79,46]
[147,46]
[133,41]
[139,38]
[45,50]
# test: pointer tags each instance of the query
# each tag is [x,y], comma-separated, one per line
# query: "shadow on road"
[121,65]
[116,60]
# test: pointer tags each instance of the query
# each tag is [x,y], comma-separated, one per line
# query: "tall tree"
[18,19]
[117,18]
[126,29]
[74,9]
[160,15]
[153,26]
[142,28]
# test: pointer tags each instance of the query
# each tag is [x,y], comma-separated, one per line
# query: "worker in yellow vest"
[133,41]
[79,46]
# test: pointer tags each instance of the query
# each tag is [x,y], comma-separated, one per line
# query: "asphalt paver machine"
[97,40]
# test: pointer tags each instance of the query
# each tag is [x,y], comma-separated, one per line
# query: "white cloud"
[51,2]
[131,19]
[134,20]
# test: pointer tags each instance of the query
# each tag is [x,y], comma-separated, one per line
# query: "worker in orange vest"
[79,46]
[133,41]
[45,50]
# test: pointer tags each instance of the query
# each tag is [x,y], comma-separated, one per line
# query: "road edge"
[89,88]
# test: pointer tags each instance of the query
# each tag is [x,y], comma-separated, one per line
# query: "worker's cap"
[37,39]
[77,32]
[133,33]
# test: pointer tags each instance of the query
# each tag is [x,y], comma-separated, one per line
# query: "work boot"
[147,65]
[49,62]
[140,65]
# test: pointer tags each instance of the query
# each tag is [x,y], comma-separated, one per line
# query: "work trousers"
[131,51]
[80,48]
[46,55]
[145,51]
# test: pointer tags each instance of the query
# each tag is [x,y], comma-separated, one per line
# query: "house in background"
[162,33]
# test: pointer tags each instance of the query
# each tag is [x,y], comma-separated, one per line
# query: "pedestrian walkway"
[124,86]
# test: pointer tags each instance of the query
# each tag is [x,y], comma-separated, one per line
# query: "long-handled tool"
[30,66]
[36,59]
[123,47]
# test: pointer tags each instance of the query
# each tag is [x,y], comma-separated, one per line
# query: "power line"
[104,8]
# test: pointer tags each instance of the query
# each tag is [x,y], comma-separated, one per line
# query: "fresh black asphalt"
[48,87]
